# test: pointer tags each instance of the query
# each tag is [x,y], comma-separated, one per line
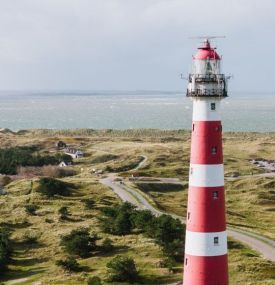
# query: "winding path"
[261,244]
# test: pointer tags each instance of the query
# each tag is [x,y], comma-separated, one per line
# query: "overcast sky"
[131,44]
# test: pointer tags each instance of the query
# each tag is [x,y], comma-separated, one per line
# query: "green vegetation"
[35,237]
[107,246]
[94,281]
[167,231]
[5,249]
[13,157]
[51,187]
[69,264]
[79,242]
[31,209]
[63,212]
[89,203]
[122,269]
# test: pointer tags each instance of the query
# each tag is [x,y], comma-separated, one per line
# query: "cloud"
[122,44]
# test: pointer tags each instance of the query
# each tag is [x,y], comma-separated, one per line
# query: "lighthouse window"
[186,261]
[215,195]
[216,240]
[193,127]
[214,150]
[188,215]
[191,170]
[213,106]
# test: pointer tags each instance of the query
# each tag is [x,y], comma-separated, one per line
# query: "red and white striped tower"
[206,239]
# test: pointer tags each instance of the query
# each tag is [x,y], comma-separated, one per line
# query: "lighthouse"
[205,261]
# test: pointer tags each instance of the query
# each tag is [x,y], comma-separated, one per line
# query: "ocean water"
[124,110]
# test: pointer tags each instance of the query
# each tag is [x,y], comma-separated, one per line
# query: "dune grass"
[250,203]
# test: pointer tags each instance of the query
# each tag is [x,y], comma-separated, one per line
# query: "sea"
[241,111]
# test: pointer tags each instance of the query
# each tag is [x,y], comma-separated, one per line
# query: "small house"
[73,152]
[63,164]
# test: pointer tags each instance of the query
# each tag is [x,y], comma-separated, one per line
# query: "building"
[73,152]
[63,164]
[205,260]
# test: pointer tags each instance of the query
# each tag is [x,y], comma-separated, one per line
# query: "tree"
[122,224]
[80,242]
[140,219]
[122,269]
[168,229]
[117,220]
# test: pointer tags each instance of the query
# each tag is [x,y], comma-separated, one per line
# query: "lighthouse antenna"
[208,37]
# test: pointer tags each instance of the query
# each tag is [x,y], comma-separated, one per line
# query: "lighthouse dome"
[206,52]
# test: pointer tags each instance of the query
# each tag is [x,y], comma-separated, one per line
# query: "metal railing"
[207,93]
[207,78]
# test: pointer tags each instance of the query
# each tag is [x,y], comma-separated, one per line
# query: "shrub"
[94,281]
[69,264]
[63,212]
[122,269]
[5,248]
[31,209]
[50,187]
[5,180]
[107,245]
[89,203]
[79,242]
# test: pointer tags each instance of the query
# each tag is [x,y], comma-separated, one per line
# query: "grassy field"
[250,202]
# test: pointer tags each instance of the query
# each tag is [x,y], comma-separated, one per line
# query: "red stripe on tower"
[206,240]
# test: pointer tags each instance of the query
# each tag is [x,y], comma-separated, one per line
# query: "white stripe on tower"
[206,175]
[206,244]
[202,110]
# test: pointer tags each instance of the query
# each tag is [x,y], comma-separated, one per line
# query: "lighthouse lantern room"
[205,260]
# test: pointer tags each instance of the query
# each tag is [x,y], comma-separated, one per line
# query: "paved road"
[260,244]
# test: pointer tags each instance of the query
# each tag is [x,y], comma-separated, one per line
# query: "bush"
[63,212]
[79,242]
[50,187]
[122,269]
[69,264]
[5,180]
[94,281]
[5,249]
[89,203]
[107,245]
[31,209]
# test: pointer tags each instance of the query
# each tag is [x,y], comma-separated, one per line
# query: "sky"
[132,44]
